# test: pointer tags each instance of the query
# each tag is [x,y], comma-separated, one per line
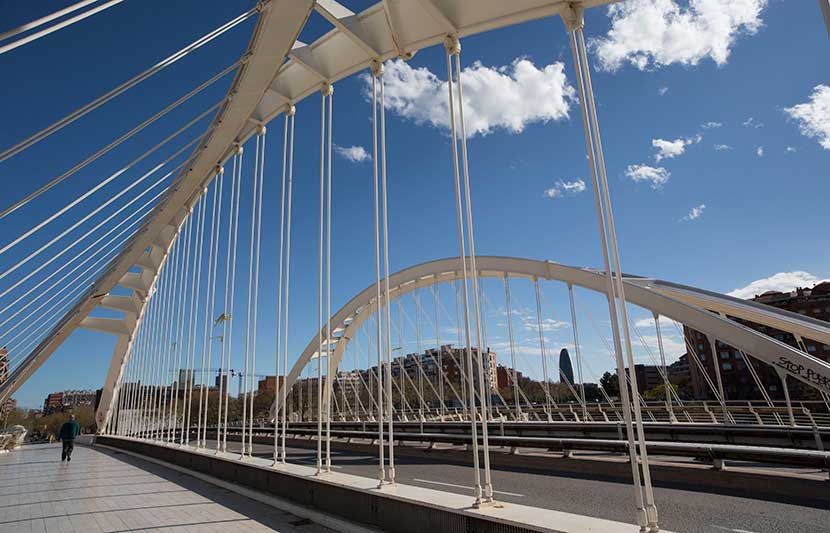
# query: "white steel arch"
[278,71]
[696,308]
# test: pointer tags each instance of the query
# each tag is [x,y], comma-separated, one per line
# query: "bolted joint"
[452,45]
[327,89]
[261,129]
[244,59]
[238,149]
[406,56]
[377,68]
[290,110]
[573,18]
[220,169]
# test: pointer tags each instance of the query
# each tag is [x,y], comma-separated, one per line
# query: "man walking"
[69,430]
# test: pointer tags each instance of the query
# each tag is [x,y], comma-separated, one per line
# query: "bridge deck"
[102,490]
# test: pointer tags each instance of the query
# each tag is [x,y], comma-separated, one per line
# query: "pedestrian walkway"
[103,490]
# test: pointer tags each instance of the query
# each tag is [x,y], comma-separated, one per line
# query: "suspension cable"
[260,178]
[233,247]
[577,350]
[208,318]
[112,177]
[49,313]
[290,112]
[181,313]
[93,213]
[179,250]
[329,368]
[106,149]
[55,27]
[225,316]
[247,344]
[580,63]
[82,254]
[277,385]
[196,283]
[488,485]
[376,69]
[42,321]
[453,47]
[29,26]
[101,100]
[164,338]
[209,321]
[71,245]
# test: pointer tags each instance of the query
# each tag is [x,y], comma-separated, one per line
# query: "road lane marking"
[467,488]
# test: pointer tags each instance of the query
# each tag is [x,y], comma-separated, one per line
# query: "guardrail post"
[757,416]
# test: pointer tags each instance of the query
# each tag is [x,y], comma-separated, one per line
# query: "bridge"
[356,432]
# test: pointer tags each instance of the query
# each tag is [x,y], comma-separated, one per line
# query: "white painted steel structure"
[276,72]
[696,308]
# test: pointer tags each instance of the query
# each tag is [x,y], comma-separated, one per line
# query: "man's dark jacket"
[69,430]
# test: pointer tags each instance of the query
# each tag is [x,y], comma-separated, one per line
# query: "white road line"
[467,488]
[734,530]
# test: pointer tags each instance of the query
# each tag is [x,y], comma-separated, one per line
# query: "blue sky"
[715,126]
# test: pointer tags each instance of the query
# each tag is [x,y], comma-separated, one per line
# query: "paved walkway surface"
[102,490]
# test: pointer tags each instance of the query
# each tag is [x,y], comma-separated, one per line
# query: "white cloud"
[662,91]
[355,154]
[782,281]
[759,151]
[508,97]
[813,117]
[673,347]
[548,324]
[711,125]
[669,149]
[790,149]
[657,176]
[752,123]
[665,324]
[694,213]
[565,188]
[655,33]
[721,147]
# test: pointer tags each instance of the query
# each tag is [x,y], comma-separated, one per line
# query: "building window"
[811,348]
[773,388]
[727,366]
[738,355]
[724,355]
[700,346]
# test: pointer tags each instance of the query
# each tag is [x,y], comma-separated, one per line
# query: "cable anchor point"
[377,68]
[452,45]
[573,17]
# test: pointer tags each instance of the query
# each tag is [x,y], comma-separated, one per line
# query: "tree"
[611,383]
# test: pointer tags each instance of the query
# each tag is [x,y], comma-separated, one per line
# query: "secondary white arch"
[693,307]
